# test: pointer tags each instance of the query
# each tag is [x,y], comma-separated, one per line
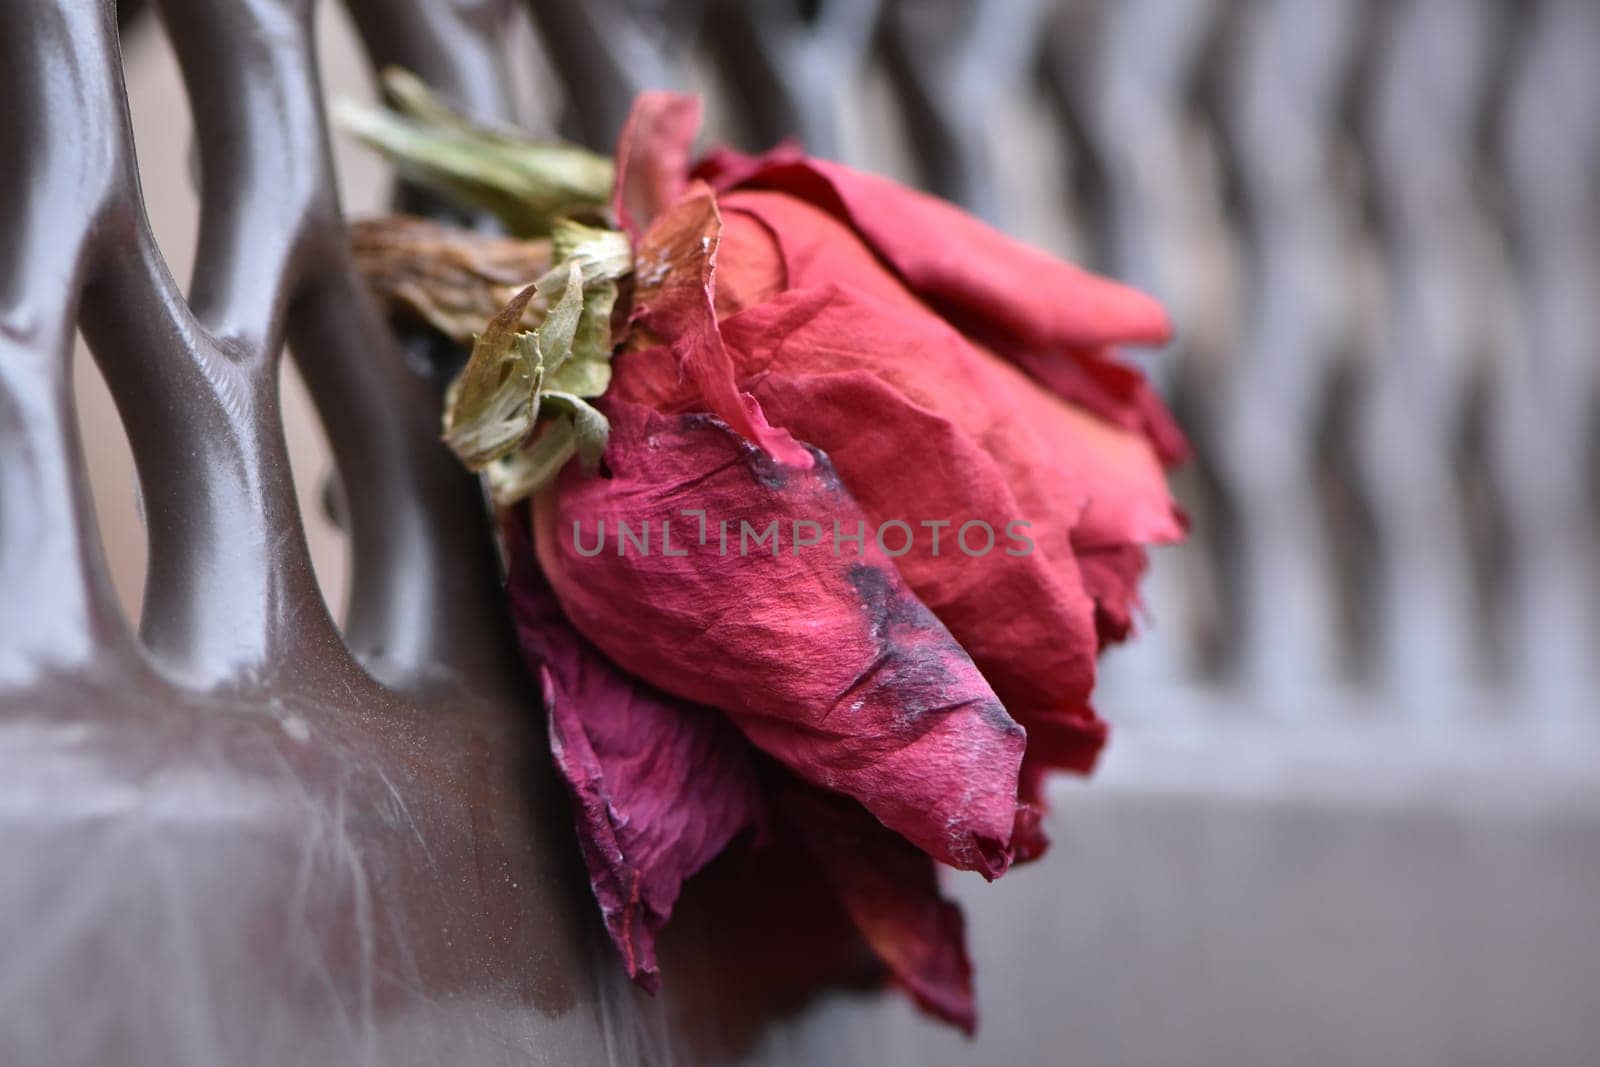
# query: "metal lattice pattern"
[1376,226]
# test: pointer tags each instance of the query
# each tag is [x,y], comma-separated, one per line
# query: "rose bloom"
[812,345]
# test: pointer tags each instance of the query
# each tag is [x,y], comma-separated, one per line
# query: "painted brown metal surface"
[227,840]
[245,835]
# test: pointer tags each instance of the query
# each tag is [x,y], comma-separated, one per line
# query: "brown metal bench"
[1352,817]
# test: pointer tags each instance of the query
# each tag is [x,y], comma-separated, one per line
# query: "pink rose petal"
[659,785]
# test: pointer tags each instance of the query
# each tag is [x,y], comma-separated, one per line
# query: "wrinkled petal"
[1033,658]
[805,247]
[1070,469]
[870,383]
[891,892]
[659,785]
[760,934]
[653,158]
[1057,321]
[750,267]
[674,277]
[826,662]
[1109,389]
[1068,740]
[1111,576]
[961,264]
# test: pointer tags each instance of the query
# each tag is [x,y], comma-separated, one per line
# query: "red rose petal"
[1071,470]
[1111,576]
[750,268]
[674,276]
[1068,739]
[1110,390]
[891,892]
[652,157]
[760,934]
[870,383]
[826,662]
[959,263]
[1055,320]
[810,248]
[1024,619]
[659,786]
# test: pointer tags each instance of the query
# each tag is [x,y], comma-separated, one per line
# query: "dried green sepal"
[491,407]
[528,184]
[560,324]
[527,470]
[604,254]
[519,409]
[589,425]
[580,430]
[586,371]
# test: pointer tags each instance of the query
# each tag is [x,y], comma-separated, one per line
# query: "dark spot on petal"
[914,655]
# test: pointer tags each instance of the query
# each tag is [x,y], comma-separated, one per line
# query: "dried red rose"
[948,381]
[870,320]
[875,494]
